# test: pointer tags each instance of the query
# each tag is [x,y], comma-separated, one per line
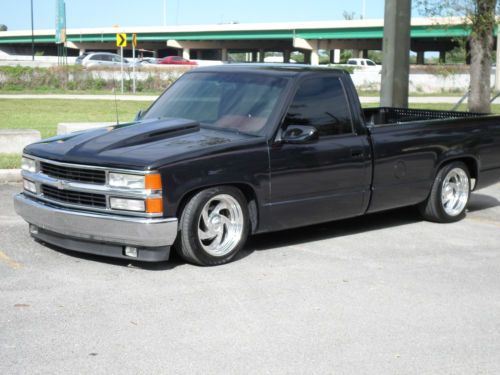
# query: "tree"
[479,18]
[3,27]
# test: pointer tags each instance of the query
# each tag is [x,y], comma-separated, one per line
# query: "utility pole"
[32,34]
[396,54]
[497,71]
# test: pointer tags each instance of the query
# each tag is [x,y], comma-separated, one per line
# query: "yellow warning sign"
[134,40]
[121,40]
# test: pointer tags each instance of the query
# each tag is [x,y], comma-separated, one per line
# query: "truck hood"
[140,145]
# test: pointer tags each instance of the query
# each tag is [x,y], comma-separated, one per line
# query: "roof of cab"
[290,69]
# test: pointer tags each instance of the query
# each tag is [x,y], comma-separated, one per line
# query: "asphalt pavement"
[382,294]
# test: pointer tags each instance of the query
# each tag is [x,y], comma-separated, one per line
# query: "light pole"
[32,35]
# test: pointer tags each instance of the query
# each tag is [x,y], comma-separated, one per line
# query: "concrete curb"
[10,175]
[13,141]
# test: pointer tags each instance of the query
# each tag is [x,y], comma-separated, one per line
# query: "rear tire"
[214,226]
[447,202]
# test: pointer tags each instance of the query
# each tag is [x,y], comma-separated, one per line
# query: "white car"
[366,64]
[91,59]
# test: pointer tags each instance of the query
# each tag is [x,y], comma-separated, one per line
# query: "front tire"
[449,196]
[214,226]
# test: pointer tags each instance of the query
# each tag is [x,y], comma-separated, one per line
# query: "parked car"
[233,150]
[176,60]
[365,64]
[91,59]
[144,62]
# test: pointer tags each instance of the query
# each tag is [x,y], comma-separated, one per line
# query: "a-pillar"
[286,56]
[186,53]
[224,54]
[420,57]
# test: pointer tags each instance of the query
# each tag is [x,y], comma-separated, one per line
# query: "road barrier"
[12,141]
[70,127]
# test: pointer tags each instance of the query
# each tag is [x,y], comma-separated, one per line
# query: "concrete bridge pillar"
[224,54]
[335,56]
[286,56]
[357,54]
[186,53]
[262,54]
[442,57]
[420,57]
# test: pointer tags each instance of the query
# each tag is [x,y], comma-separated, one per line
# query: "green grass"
[47,90]
[10,161]
[418,94]
[45,114]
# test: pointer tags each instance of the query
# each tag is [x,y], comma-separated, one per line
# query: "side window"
[371,63]
[352,62]
[322,103]
[105,57]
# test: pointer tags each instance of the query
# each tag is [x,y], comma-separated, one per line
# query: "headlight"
[29,185]
[127,204]
[28,165]
[130,181]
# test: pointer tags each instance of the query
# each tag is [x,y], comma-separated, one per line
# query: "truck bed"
[392,115]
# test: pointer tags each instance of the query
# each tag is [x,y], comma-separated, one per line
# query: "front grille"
[74,197]
[73,174]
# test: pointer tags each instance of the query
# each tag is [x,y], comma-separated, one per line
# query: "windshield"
[237,101]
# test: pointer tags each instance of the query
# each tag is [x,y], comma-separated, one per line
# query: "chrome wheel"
[220,226]
[455,191]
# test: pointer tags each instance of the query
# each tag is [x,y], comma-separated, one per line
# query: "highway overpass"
[215,42]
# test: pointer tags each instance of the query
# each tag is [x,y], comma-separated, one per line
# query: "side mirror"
[297,134]
[138,115]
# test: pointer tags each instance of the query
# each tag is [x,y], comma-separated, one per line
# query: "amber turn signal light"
[153,181]
[154,205]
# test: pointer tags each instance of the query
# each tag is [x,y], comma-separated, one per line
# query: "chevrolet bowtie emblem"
[60,185]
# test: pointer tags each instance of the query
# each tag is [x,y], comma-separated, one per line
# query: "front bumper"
[105,234]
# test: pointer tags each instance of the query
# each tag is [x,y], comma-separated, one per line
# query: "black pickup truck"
[235,150]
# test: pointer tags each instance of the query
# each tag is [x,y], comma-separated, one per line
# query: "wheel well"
[247,191]
[470,162]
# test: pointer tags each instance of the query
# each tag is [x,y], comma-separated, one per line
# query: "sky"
[106,13]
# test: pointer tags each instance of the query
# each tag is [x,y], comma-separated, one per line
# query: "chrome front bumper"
[96,227]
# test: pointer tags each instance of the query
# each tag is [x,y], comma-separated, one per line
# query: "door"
[328,178]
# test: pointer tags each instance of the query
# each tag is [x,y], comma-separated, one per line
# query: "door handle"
[357,153]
